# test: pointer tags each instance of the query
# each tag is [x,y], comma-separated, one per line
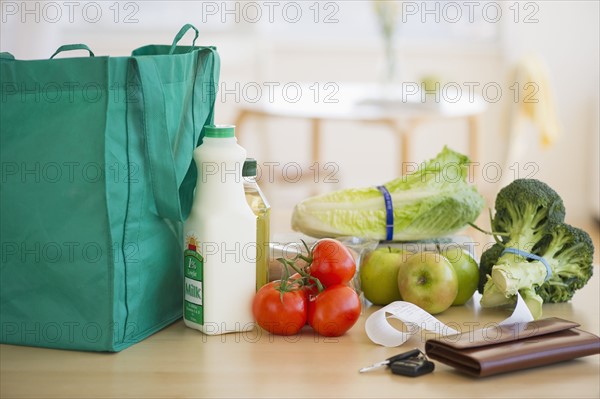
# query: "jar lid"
[249,168]
[219,131]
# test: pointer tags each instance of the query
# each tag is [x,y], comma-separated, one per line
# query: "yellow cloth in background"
[536,100]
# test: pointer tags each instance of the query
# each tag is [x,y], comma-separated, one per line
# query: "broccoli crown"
[570,252]
[532,215]
[527,209]
[489,257]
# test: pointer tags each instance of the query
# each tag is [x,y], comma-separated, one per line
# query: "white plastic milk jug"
[220,240]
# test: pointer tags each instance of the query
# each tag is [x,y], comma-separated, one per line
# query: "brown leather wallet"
[511,347]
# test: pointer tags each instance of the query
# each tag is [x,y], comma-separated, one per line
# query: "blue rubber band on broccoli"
[528,255]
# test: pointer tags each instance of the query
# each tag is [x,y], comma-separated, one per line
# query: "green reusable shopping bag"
[97,176]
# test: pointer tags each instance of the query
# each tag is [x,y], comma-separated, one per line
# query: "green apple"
[428,280]
[379,275]
[466,270]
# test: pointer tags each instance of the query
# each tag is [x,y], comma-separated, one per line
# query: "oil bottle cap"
[219,131]
[249,168]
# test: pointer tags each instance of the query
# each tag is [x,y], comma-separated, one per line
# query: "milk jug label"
[193,269]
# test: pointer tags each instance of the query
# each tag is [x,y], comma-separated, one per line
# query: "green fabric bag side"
[51,150]
[121,173]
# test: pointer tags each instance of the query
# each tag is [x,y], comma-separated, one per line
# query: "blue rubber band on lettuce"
[389,213]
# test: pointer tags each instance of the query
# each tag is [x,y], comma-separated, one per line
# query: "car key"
[402,356]
[412,367]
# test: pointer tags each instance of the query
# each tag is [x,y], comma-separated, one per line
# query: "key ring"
[412,363]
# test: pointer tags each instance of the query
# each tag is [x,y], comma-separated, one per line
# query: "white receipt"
[414,319]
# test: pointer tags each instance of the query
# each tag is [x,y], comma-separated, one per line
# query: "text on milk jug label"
[193,269]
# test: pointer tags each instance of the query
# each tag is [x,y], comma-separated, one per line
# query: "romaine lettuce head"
[434,201]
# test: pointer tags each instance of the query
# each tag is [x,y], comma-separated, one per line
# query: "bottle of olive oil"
[261,208]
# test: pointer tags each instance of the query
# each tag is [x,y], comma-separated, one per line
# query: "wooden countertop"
[180,362]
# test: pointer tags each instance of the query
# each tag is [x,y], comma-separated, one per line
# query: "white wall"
[566,38]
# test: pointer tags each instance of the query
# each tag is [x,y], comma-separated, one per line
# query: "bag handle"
[158,148]
[180,35]
[71,47]
[164,182]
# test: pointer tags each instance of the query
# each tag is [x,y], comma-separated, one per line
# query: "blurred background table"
[401,108]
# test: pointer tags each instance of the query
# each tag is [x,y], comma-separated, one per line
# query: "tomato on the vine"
[332,262]
[317,293]
[280,312]
[310,285]
[334,311]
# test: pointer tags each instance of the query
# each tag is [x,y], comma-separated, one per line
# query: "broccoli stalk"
[489,257]
[513,273]
[533,301]
[569,252]
[493,297]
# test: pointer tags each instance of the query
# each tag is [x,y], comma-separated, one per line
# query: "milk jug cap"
[219,131]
